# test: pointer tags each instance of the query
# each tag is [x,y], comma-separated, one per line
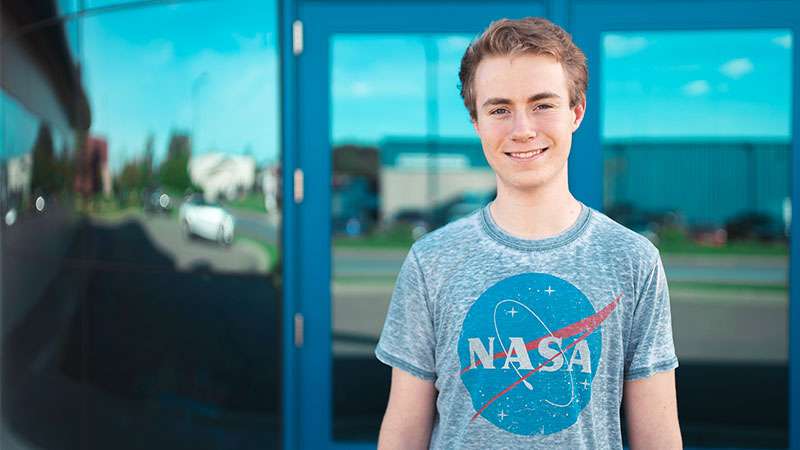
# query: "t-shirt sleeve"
[407,340]
[650,346]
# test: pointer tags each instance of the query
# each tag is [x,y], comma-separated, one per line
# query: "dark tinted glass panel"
[139,194]
[697,151]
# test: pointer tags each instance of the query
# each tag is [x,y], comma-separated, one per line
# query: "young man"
[528,323]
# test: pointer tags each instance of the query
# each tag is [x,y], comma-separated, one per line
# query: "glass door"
[693,113]
[388,153]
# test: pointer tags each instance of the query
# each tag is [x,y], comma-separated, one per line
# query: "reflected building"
[221,176]
[118,331]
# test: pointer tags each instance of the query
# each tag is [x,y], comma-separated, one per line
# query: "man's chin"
[528,184]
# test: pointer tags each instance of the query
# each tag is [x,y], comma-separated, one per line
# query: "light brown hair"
[531,35]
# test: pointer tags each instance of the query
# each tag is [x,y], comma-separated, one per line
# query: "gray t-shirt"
[528,341]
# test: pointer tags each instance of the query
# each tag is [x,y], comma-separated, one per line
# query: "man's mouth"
[527,155]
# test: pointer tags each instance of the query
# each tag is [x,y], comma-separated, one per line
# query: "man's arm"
[651,412]
[409,416]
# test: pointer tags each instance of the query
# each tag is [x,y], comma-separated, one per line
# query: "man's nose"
[524,128]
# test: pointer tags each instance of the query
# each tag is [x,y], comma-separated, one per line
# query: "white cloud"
[360,89]
[696,88]
[784,41]
[737,68]
[259,41]
[618,46]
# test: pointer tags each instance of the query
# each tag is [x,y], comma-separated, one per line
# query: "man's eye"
[542,106]
[498,111]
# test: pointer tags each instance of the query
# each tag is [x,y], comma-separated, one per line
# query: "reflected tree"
[44,164]
[174,171]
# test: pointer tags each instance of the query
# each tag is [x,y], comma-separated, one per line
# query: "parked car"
[207,220]
[157,201]
[454,208]
[754,226]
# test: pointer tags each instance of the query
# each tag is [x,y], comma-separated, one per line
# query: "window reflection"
[139,192]
[399,171]
[698,161]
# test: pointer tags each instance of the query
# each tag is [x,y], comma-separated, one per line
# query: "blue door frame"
[307,405]
[321,21]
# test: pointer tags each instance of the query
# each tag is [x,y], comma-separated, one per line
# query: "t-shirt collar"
[570,234]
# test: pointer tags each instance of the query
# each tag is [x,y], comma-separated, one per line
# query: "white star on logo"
[549,290]
[585,384]
[502,415]
[512,311]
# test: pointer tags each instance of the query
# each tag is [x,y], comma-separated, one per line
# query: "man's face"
[524,120]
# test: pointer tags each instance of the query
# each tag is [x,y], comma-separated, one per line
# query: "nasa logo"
[529,350]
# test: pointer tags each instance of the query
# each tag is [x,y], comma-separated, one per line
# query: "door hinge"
[297,37]
[298,330]
[298,185]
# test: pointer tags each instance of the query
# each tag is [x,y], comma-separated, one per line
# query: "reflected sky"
[180,67]
[729,84]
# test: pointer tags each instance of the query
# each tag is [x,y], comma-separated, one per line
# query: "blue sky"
[211,68]
[200,67]
[684,84]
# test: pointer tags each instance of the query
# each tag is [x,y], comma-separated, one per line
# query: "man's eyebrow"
[531,99]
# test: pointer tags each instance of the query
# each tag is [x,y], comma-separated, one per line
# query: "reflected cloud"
[696,88]
[360,89]
[259,41]
[382,85]
[784,41]
[737,68]
[237,86]
[619,46]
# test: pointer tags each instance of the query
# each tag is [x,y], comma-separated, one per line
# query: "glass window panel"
[405,161]
[697,150]
[141,214]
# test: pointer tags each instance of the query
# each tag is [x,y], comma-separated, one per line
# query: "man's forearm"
[404,433]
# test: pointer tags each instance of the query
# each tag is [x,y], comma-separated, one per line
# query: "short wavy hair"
[531,35]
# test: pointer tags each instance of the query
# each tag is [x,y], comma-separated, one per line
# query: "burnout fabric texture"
[528,342]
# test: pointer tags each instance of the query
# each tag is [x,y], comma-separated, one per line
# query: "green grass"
[108,208]
[400,238]
[250,202]
[397,237]
[366,280]
[729,249]
[270,250]
[729,287]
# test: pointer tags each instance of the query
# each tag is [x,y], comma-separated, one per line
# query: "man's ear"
[475,126]
[578,112]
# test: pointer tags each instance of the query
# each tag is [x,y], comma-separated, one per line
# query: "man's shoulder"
[615,237]
[449,238]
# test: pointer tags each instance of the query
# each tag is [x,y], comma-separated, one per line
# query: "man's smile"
[526,155]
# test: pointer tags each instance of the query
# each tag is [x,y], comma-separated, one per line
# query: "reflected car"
[157,201]
[456,207]
[459,206]
[753,225]
[199,218]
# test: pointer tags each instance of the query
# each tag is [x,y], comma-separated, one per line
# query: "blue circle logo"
[529,350]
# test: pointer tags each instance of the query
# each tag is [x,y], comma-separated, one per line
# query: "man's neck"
[536,214]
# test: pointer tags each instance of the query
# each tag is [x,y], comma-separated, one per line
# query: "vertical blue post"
[287,13]
[794,255]
[586,155]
